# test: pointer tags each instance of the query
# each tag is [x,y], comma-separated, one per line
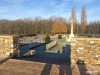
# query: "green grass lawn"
[59,47]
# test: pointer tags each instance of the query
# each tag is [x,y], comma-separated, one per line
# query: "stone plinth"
[85,49]
[8,44]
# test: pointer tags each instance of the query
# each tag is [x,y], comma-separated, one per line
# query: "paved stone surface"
[19,67]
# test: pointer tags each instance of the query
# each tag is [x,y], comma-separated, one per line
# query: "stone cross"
[72,20]
[72,34]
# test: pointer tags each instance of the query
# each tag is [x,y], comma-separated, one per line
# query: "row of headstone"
[28,40]
[56,36]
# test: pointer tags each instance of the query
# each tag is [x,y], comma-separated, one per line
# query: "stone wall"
[85,49]
[8,44]
[51,44]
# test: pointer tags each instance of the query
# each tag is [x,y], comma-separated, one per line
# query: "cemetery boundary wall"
[86,50]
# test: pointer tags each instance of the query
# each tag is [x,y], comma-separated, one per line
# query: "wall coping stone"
[85,38]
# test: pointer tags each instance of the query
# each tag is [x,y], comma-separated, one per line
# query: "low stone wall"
[51,44]
[8,44]
[85,49]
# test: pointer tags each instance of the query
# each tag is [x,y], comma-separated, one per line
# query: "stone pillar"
[9,45]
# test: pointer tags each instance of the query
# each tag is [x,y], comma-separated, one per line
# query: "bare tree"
[73,15]
[83,20]
[59,27]
[47,26]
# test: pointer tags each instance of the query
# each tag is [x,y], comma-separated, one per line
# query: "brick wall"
[8,44]
[85,49]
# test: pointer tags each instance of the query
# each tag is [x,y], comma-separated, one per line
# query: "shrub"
[20,36]
[30,35]
[47,39]
[89,35]
[59,36]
